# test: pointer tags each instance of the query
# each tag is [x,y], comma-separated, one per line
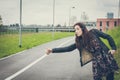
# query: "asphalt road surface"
[33,64]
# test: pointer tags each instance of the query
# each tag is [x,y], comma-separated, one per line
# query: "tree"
[1,23]
[17,25]
[58,25]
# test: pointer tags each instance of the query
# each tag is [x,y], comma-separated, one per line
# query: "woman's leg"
[110,76]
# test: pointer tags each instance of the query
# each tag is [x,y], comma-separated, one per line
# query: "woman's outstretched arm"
[61,49]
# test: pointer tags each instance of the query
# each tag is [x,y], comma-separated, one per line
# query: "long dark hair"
[84,39]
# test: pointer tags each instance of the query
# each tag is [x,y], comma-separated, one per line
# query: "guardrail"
[15,30]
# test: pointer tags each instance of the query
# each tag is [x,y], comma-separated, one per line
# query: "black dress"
[103,63]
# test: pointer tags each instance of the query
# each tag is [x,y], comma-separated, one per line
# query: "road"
[33,64]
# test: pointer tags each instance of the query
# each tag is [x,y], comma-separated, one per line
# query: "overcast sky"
[41,11]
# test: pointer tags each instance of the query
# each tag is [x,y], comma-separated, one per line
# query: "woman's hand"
[111,51]
[48,51]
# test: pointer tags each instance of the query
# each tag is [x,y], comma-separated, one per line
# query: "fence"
[15,30]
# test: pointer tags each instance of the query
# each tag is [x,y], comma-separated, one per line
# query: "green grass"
[9,43]
[115,33]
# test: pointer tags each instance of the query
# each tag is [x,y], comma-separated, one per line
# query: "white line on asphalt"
[30,65]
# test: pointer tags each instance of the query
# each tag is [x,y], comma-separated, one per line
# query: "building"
[107,23]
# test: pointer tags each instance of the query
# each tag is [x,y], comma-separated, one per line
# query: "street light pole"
[53,18]
[119,9]
[20,26]
[70,16]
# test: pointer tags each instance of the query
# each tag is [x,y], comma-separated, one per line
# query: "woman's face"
[78,31]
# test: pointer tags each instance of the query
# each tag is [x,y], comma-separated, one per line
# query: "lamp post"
[70,16]
[119,9]
[53,19]
[118,12]
[20,26]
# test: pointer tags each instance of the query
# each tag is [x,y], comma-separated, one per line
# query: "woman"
[103,62]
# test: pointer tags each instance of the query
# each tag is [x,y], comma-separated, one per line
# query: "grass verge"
[115,35]
[9,43]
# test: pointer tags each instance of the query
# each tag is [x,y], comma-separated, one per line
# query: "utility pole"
[53,19]
[119,9]
[118,12]
[20,26]
[70,16]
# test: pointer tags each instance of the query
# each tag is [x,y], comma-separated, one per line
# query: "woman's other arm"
[108,37]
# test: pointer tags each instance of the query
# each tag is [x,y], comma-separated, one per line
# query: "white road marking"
[30,65]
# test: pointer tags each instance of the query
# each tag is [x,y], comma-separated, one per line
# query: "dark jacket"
[86,55]
[98,34]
